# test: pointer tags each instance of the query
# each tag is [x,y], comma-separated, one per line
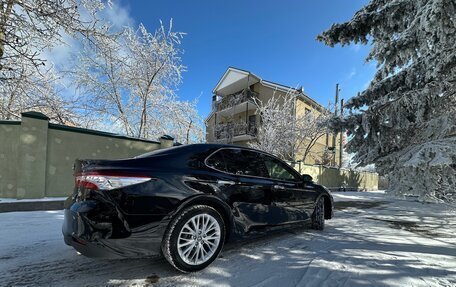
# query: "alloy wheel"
[198,239]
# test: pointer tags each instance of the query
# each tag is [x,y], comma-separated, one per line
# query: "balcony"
[233,100]
[235,132]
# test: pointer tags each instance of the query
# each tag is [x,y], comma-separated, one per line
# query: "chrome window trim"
[251,150]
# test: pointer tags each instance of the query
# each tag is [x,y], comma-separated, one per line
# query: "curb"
[31,206]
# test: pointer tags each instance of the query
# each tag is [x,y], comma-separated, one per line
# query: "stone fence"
[335,179]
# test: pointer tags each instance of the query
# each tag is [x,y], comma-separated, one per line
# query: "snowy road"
[373,241]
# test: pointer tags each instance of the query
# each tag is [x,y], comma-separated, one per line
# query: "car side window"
[254,164]
[278,170]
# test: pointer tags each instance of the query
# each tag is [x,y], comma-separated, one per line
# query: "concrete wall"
[9,138]
[334,178]
[36,157]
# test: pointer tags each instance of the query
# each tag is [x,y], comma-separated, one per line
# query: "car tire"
[318,216]
[188,238]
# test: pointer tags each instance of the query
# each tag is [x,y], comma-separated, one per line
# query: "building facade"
[234,118]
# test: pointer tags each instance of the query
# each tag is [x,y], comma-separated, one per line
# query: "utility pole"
[341,133]
[336,102]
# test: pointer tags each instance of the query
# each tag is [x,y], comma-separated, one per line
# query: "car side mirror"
[307,178]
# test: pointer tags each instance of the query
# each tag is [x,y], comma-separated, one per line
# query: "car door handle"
[279,186]
[226,182]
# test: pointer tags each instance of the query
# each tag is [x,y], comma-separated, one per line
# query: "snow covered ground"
[373,240]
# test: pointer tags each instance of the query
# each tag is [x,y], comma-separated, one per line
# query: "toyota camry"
[186,202]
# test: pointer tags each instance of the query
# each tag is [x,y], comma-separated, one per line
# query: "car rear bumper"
[95,239]
[75,231]
[90,249]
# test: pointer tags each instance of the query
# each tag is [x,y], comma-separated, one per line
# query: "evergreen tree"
[405,121]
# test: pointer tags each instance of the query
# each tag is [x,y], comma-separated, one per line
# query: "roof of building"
[235,78]
[255,79]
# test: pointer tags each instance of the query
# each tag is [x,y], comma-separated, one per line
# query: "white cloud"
[355,47]
[59,55]
[352,74]
[118,16]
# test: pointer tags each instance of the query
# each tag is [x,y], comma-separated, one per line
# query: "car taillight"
[99,181]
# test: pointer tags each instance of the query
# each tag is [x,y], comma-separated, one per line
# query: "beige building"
[234,118]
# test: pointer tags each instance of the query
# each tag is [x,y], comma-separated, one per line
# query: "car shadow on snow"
[316,259]
[363,251]
[358,204]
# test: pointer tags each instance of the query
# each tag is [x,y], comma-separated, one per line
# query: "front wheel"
[194,238]
[318,216]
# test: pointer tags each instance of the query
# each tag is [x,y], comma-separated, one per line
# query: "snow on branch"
[130,79]
[405,121]
[286,130]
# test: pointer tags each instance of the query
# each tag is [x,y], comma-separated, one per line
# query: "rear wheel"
[318,216]
[194,238]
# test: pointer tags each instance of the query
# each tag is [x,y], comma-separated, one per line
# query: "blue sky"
[273,39]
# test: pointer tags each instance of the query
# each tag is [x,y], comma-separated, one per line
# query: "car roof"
[188,148]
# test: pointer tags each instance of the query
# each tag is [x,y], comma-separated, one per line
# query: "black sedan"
[186,202]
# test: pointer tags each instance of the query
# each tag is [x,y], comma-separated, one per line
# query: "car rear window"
[238,161]
[216,161]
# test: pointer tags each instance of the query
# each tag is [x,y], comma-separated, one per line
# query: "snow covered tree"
[275,134]
[285,133]
[128,81]
[31,90]
[127,77]
[308,129]
[405,121]
[186,126]
[27,29]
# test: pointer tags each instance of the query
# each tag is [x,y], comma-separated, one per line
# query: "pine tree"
[405,121]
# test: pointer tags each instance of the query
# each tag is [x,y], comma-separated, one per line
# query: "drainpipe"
[341,133]
[335,115]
